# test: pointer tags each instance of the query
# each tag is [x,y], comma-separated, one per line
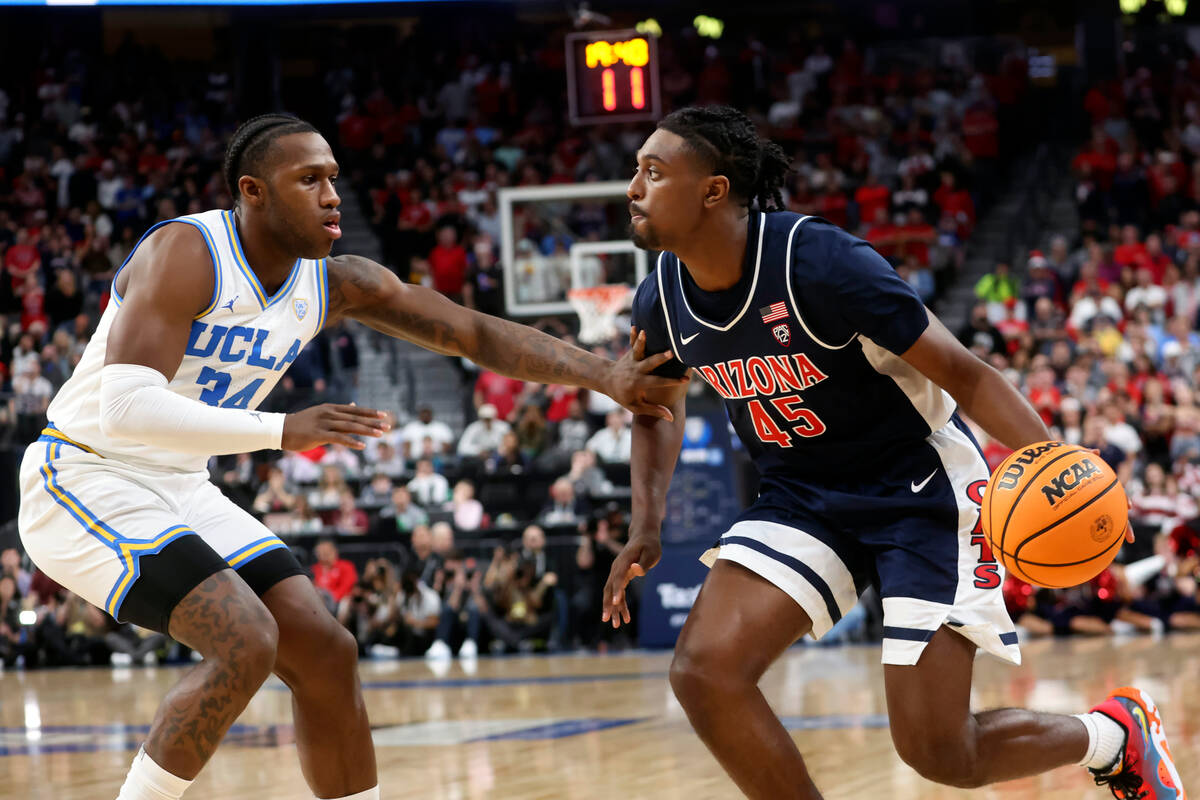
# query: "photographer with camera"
[418,608]
[368,610]
[460,615]
[598,548]
[516,613]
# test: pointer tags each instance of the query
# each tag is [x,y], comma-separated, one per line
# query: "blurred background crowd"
[1064,246]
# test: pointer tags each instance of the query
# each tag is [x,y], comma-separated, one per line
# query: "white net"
[598,307]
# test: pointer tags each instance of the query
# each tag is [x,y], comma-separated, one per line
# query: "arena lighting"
[1176,8]
[650,27]
[709,27]
[27,617]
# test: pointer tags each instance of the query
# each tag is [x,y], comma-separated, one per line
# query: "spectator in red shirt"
[33,302]
[915,236]
[871,197]
[1156,260]
[1044,396]
[448,263]
[22,258]
[955,202]
[832,205]
[497,391]
[882,234]
[1130,252]
[1100,154]
[356,130]
[979,128]
[331,573]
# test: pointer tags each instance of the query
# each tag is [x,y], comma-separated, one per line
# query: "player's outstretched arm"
[166,284]
[656,444]
[979,389]
[368,292]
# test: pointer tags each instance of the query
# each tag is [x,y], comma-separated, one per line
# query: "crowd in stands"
[902,155]
[1100,333]
[500,535]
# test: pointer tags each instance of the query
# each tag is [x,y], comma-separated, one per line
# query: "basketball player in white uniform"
[207,313]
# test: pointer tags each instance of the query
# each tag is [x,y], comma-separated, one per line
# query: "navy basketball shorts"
[912,531]
[135,541]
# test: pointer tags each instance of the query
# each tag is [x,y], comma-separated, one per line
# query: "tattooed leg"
[224,621]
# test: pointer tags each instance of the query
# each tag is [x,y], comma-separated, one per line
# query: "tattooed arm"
[363,290]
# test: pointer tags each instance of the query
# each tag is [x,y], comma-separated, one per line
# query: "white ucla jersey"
[239,347]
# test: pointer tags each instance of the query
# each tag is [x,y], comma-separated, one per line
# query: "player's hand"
[641,554]
[629,378]
[330,423]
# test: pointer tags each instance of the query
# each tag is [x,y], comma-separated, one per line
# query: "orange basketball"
[1055,514]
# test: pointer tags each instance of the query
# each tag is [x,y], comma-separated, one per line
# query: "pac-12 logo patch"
[782,334]
[300,306]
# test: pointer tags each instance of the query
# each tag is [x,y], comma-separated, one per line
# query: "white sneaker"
[469,649]
[383,651]
[120,659]
[439,651]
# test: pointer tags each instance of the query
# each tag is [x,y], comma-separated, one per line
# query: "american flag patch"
[773,312]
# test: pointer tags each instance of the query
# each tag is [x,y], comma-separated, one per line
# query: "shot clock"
[612,76]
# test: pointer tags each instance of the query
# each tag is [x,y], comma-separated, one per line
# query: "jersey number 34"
[214,395]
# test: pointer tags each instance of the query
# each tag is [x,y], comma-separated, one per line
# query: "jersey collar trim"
[239,257]
[762,225]
[322,293]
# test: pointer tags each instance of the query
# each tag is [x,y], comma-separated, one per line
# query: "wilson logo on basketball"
[1069,479]
[1102,528]
[1012,474]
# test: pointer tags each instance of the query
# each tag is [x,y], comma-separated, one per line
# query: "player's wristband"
[136,404]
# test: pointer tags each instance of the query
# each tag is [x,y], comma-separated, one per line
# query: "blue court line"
[467,683]
[558,730]
[119,737]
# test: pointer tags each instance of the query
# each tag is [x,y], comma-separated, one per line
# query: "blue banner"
[668,592]
[702,502]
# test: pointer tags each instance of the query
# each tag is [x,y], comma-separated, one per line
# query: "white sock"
[369,794]
[1106,740]
[148,781]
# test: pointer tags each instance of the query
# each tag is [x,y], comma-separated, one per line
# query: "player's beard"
[647,239]
[295,238]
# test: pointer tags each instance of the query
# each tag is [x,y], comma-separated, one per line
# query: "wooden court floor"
[574,727]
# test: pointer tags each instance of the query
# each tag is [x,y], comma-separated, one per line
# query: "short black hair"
[252,140]
[756,167]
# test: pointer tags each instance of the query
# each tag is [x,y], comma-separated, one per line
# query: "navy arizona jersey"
[808,362]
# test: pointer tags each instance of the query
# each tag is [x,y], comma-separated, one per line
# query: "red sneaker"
[1145,770]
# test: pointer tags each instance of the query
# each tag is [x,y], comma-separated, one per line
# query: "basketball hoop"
[597,307]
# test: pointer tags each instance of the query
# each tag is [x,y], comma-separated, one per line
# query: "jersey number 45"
[801,421]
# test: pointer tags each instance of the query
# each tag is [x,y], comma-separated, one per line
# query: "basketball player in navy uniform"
[207,313]
[844,390]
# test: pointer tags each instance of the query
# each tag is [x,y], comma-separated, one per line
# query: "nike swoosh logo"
[686,339]
[917,487]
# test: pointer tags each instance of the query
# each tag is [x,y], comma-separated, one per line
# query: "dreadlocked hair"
[250,143]
[756,167]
